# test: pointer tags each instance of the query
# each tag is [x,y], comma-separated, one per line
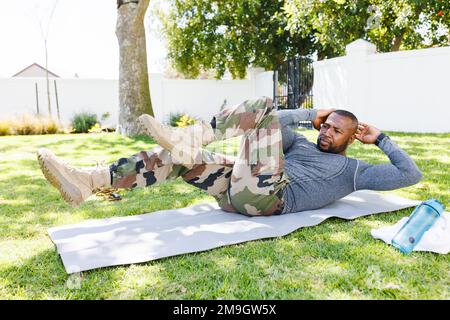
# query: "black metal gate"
[292,85]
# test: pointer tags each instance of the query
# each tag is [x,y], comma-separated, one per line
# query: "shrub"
[25,125]
[29,124]
[5,127]
[174,118]
[96,128]
[180,120]
[82,122]
[50,127]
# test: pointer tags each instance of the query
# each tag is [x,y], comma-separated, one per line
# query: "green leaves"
[233,35]
[389,24]
[225,35]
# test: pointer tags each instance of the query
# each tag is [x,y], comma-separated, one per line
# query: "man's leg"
[185,143]
[148,168]
[144,169]
[258,177]
[252,184]
[74,184]
[288,120]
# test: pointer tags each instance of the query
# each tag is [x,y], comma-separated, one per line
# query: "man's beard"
[331,148]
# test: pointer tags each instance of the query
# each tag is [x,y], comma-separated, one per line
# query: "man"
[276,170]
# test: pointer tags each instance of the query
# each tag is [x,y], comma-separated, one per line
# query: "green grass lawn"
[337,259]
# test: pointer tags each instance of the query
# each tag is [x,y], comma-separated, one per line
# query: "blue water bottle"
[422,218]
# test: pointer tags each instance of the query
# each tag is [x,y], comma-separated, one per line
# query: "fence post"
[37,97]
[57,101]
[275,88]
[358,76]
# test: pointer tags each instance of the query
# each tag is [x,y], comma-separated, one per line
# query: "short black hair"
[348,114]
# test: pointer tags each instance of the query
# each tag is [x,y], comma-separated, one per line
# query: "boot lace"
[109,194]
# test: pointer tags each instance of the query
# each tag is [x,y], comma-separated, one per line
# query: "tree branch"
[142,7]
[397,42]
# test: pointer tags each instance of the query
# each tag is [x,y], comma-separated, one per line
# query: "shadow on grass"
[36,276]
[34,205]
[75,142]
[336,259]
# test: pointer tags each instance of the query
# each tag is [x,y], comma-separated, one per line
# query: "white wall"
[199,98]
[203,98]
[398,91]
[17,97]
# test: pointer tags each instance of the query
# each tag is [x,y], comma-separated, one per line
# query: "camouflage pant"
[250,183]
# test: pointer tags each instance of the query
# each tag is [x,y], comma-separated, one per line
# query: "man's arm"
[294,116]
[401,172]
[289,120]
[321,117]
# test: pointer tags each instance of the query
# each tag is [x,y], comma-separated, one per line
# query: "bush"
[179,119]
[28,124]
[96,128]
[82,122]
[51,127]
[174,118]
[5,127]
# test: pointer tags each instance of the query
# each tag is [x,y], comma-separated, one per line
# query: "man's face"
[335,134]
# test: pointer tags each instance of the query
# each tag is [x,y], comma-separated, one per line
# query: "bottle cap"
[435,204]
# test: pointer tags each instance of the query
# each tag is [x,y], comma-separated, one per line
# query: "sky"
[81,38]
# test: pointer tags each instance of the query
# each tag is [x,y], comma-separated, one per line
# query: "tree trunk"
[134,91]
[397,42]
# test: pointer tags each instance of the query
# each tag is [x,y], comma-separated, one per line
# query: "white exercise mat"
[118,241]
[436,239]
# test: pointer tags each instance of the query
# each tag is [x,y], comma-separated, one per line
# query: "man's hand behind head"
[322,115]
[367,133]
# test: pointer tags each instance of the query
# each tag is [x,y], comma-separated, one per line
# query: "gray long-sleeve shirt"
[318,178]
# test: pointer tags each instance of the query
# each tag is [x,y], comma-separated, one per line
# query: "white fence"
[18,96]
[199,98]
[398,91]
[203,98]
